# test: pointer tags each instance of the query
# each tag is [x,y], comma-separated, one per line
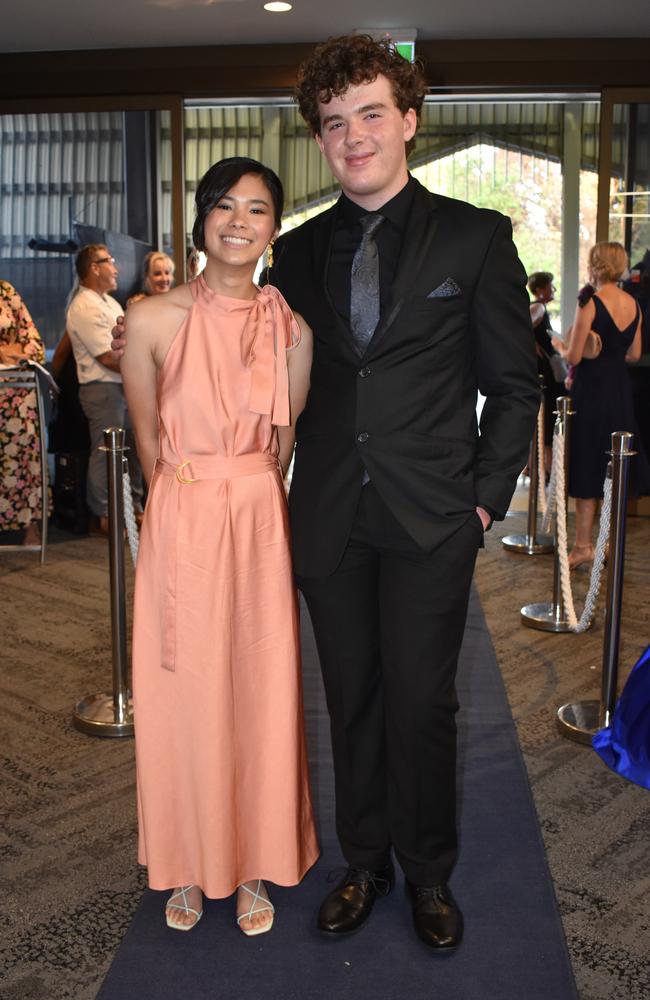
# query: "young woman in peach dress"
[216,372]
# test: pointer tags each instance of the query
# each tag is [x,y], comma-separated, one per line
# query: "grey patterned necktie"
[364,284]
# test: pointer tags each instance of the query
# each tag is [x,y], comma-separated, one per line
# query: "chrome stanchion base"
[95,716]
[528,546]
[544,617]
[578,721]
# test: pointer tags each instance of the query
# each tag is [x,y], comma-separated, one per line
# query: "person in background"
[193,264]
[20,457]
[157,276]
[90,317]
[542,289]
[604,337]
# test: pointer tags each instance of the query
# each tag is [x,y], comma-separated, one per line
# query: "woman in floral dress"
[20,462]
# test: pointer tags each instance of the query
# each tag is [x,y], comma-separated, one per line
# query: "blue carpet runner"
[514,946]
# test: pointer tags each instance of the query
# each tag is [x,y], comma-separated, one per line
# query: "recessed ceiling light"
[276,7]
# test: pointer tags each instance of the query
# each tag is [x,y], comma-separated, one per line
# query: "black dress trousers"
[388,624]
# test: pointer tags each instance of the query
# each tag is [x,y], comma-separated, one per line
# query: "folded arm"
[106,358]
[580,329]
[139,375]
[506,369]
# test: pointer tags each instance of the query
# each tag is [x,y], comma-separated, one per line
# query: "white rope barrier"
[599,559]
[556,501]
[129,515]
[560,514]
[558,455]
[541,464]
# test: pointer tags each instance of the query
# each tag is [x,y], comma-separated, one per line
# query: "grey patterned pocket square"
[447,290]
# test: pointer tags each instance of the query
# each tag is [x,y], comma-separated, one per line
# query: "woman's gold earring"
[269,255]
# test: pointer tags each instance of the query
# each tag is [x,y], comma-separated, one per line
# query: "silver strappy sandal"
[184,906]
[266,905]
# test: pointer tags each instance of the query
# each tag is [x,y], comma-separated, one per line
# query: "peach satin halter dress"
[223,790]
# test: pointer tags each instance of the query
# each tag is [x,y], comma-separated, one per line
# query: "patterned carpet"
[68,843]
[594,824]
[70,882]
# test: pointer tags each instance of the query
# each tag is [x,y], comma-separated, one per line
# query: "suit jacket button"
[363,437]
[365,372]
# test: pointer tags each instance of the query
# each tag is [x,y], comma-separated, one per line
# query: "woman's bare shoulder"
[160,311]
[536,312]
[620,304]
[180,295]
[630,301]
[613,293]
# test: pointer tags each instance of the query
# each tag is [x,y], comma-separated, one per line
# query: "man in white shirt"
[91,315]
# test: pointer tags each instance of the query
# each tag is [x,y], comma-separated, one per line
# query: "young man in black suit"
[416,302]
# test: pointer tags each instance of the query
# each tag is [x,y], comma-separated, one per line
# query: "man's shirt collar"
[396,210]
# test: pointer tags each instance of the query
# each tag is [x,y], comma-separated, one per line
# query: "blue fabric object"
[514,946]
[625,744]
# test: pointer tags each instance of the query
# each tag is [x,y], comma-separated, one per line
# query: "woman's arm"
[562,345]
[27,334]
[299,365]
[25,339]
[634,350]
[536,317]
[11,354]
[536,313]
[139,375]
[61,354]
[584,317]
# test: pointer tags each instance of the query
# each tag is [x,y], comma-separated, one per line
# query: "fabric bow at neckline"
[270,328]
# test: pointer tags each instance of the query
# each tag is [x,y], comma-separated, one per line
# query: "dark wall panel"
[243,70]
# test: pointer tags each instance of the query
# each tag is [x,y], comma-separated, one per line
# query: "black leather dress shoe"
[346,908]
[437,919]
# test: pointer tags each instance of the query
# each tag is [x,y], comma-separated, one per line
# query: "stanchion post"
[112,714]
[580,720]
[565,414]
[114,439]
[44,470]
[531,544]
[622,442]
[551,617]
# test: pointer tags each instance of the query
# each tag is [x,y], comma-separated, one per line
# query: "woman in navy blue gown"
[601,389]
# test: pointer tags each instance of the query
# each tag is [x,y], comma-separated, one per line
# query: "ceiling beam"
[270,70]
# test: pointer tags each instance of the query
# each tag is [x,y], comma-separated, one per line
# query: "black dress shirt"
[347,237]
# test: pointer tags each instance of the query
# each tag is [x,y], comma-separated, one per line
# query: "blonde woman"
[605,336]
[158,275]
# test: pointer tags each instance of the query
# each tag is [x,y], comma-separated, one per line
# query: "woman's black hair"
[218,181]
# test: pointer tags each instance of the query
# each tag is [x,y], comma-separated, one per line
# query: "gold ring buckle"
[181,478]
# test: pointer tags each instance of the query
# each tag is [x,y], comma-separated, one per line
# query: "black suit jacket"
[406,410]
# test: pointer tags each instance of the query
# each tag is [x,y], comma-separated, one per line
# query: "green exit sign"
[406,50]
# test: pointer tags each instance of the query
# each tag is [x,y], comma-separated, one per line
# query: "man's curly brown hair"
[350,60]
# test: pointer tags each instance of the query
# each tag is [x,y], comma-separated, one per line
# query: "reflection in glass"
[629,218]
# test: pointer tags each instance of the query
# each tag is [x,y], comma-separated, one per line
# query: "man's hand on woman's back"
[118,343]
